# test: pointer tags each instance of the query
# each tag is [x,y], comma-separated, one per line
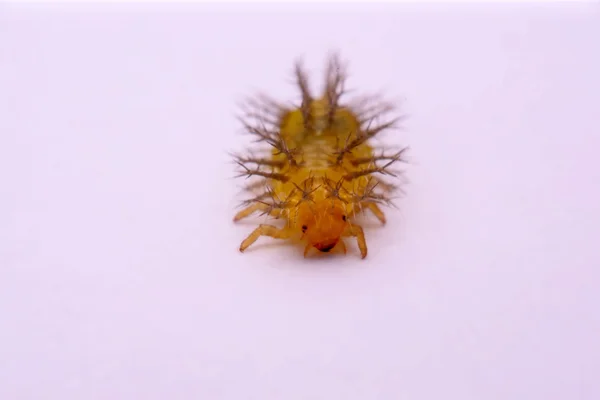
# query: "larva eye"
[304,228]
[344,217]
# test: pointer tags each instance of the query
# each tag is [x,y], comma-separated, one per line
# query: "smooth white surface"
[120,276]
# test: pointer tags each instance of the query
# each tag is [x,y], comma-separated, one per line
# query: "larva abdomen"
[321,170]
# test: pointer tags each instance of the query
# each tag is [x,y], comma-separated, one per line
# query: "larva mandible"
[319,169]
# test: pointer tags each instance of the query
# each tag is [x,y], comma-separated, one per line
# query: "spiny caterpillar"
[319,169]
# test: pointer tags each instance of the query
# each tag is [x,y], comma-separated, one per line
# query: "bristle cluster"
[316,152]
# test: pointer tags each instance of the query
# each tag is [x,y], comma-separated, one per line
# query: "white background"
[120,276]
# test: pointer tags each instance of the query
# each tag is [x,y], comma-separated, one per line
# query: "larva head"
[322,223]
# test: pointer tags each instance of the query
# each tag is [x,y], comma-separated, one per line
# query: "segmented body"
[321,171]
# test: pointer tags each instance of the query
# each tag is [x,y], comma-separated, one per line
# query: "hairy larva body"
[319,169]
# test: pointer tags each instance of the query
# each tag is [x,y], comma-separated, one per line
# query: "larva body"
[322,170]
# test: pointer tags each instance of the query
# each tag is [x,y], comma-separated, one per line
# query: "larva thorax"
[321,169]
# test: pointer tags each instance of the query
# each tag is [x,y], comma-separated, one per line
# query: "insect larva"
[319,170]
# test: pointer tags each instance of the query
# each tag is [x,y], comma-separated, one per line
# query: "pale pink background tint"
[119,271]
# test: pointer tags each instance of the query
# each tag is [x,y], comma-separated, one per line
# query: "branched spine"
[274,139]
[277,203]
[263,134]
[263,108]
[370,196]
[335,86]
[257,172]
[307,190]
[368,171]
[335,189]
[396,157]
[307,98]
[268,162]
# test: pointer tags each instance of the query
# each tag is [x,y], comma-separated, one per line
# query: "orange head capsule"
[322,223]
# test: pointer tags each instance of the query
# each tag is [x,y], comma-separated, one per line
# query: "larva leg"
[376,211]
[251,209]
[307,249]
[342,245]
[264,230]
[246,212]
[357,232]
[362,206]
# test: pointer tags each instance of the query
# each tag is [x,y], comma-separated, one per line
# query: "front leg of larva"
[376,211]
[264,230]
[357,232]
[251,209]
